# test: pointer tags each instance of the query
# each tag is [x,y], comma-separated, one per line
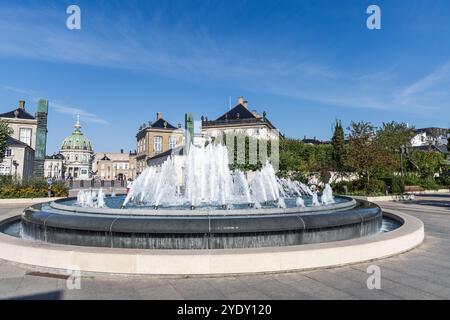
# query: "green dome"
[77,140]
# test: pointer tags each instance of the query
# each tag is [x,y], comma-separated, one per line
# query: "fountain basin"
[199,229]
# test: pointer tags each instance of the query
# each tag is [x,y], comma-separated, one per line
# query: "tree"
[338,143]
[392,137]
[5,132]
[364,155]
[448,140]
[427,163]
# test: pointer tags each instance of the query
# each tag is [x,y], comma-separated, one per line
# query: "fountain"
[212,208]
[208,181]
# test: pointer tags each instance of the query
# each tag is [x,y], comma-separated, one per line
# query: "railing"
[86,184]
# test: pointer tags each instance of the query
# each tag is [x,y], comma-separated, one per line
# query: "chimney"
[158,115]
[22,104]
[241,100]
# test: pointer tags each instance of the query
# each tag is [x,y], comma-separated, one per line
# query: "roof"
[434,131]
[56,156]
[16,143]
[238,112]
[440,148]
[175,151]
[112,156]
[162,124]
[21,114]
[314,141]
[239,115]
[105,158]
[77,140]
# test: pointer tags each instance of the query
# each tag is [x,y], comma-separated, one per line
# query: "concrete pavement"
[423,273]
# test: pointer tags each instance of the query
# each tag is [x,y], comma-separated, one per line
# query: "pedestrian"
[129,184]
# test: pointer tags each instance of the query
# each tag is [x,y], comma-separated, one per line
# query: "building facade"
[155,138]
[31,131]
[54,166]
[240,120]
[430,136]
[78,155]
[114,166]
[18,160]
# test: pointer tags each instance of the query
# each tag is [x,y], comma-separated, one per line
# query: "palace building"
[241,120]
[155,138]
[77,152]
[25,153]
[114,165]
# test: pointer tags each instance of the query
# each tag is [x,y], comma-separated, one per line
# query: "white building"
[77,152]
[430,136]
[240,120]
[18,160]
[54,166]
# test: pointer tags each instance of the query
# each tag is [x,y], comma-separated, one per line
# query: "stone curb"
[215,262]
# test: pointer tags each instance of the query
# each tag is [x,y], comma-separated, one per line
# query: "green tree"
[391,137]
[364,155]
[427,163]
[448,140]
[338,143]
[5,132]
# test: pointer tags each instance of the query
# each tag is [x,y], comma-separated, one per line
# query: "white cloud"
[84,115]
[58,107]
[196,56]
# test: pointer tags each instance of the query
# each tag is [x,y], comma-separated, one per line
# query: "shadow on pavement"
[52,295]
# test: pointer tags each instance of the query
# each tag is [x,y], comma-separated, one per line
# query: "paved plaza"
[423,273]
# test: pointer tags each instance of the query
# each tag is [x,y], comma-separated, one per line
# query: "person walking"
[129,184]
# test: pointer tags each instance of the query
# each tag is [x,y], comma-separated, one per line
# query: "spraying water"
[208,181]
[327,195]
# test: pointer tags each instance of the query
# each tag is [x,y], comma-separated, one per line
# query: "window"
[8,153]
[5,170]
[172,142]
[157,144]
[25,136]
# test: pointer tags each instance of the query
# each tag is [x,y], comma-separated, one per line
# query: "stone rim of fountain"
[57,204]
[94,260]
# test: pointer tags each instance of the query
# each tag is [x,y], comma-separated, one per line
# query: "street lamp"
[403,151]
[15,164]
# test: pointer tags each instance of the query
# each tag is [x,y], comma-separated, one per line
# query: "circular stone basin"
[63,223]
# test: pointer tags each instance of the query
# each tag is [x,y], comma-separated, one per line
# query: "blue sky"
[305,63]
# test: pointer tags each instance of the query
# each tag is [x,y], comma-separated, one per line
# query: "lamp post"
[403,151]
[15,164]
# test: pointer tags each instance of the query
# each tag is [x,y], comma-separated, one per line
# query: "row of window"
[5,170]
[76,157]
[119,166]
[157,144]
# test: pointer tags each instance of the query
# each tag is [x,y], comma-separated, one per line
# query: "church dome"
[77,140]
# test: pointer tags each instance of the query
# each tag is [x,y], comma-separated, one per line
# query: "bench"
[413,189]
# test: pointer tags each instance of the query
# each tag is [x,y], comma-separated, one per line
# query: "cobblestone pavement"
[423,273]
